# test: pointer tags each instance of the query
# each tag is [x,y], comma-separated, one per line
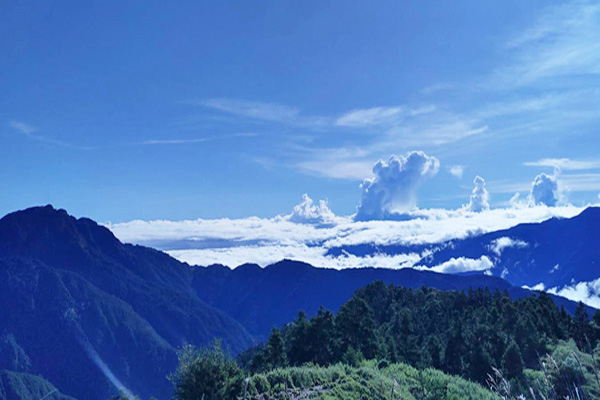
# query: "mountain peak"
[45,231]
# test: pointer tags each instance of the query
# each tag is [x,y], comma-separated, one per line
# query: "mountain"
[16,385]
[262,298]
[88,316]
[90,313]
[556,252]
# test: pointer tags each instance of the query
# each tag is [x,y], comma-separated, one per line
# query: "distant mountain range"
[261,298]
[556,252]
[85,315]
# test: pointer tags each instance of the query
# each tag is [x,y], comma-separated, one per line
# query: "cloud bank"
[392,189]
[587,292]
[267,240]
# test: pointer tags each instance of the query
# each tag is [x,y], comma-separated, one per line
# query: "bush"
[208,374]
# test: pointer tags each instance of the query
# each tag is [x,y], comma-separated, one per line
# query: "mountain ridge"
[76,303]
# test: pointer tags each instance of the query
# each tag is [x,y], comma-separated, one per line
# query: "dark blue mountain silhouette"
[555,252]
[261,298]
[69,289]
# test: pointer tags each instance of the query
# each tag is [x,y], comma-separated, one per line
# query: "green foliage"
[368,381]
[567,368]
[465,334]
[208,374]
[275,350]
[352,356]
[512,361]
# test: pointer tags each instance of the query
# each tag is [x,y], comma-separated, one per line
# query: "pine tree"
[356,325]
[323,338]
[512,361]
[581,324]
[435,352]
[480,363]
[276,350]
[298,341]
[407,343]
[455,350]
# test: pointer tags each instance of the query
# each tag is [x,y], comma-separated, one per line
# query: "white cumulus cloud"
[457,171]
[544,190]
[307,212]
[480,198]
[393,187]
[462,264]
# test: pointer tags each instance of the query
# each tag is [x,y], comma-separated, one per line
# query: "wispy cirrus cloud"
[175,141]
[30,131]
[22,127]
[263,111]
[563,42]
[564,164]
[379,115]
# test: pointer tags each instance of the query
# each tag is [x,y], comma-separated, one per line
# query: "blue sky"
[154,110]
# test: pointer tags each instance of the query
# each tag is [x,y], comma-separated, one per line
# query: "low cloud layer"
[392,189]
[480,198]
[267,240]
[587,292]
[462,265]
[498,245]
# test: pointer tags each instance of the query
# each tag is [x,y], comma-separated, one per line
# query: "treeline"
[465,334]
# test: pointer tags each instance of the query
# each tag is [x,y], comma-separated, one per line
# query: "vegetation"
[369,380]
[529,343]
[465,334]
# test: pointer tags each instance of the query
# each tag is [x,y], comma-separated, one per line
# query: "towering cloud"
[307,212]
[393,187]
[544,190]
[479,196]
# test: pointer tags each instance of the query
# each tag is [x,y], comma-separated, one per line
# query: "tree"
[298,352]
[356,325]
[435,352]
[480,363]
[276,349]
[323,338]
[207,373]
[512,361]
[581,325]
[455,349]
[407,343]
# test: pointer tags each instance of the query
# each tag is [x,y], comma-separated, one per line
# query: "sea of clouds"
[386,215]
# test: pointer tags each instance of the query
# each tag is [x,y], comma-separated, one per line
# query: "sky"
[226,109]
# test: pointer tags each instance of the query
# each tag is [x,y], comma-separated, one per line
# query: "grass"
[367,381]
